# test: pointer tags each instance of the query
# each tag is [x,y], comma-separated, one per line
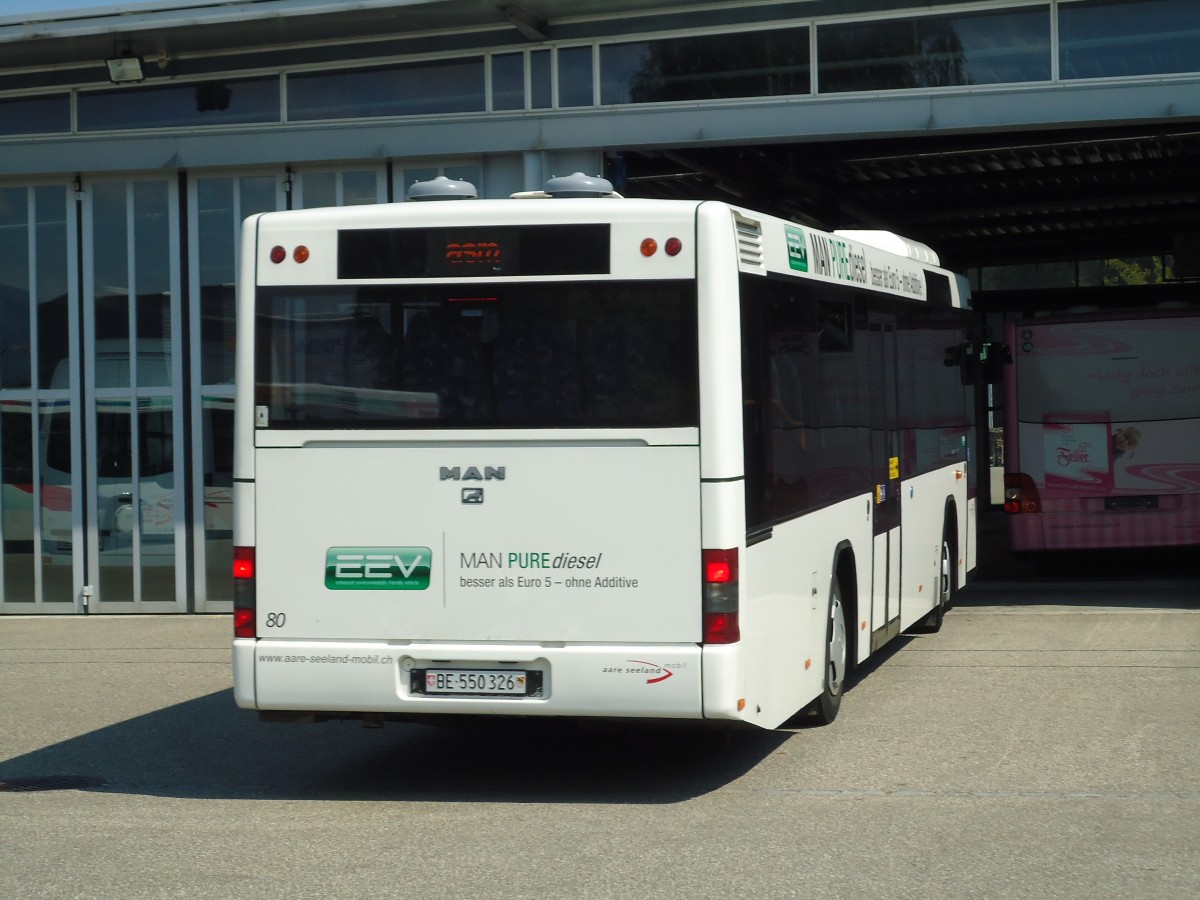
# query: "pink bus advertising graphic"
[1103,431]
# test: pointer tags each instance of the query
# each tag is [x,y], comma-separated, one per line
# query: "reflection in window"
[508,81]
[180,105]
[524,355]
[15,357]
[218,497]
[114,441]
[1120,38]
[36,115]
[16,500]
[575,76]
[833,327]
[359,188]
[57,499]
[998,47]
[110,272]
[53,329]
[708,67]
[152,252]
[424,88]
[223,203]
[539,79]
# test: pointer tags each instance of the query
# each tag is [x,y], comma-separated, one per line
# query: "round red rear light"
[649,247]
[673,246]
[278,254]
[300,254]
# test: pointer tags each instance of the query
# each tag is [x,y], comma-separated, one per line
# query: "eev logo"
[797,248]
[377,568]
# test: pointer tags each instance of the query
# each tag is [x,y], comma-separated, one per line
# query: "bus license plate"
[487,682]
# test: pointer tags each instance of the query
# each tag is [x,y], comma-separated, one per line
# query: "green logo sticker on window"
[377,568]
[797,248]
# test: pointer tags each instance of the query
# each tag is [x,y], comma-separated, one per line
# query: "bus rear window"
[544,355]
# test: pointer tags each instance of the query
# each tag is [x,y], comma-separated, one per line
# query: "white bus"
[587,457]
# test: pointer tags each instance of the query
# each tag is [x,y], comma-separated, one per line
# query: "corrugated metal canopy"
[979,199]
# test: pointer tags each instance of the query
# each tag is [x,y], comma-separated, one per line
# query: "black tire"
[827,705]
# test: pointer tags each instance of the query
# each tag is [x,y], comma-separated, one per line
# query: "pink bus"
[1103,431]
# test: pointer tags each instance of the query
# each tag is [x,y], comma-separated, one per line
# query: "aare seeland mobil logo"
[377,568]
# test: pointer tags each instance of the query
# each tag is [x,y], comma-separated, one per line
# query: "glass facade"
[993,47]
[508,81]
[413,89]
[234,102]
[1012,44]
[38,497]
[1123,38]
[36,115]
[708,67]
[575,77]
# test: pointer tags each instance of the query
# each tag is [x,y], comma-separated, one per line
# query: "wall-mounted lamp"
[125,69]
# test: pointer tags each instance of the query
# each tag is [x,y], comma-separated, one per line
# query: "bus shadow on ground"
[1159,578]
[208,749]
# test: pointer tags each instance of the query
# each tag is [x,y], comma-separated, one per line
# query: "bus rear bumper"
[329,678]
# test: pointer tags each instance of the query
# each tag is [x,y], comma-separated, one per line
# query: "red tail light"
[243,623]
[720,603]
[1021,494]
[243,562]
[244,593]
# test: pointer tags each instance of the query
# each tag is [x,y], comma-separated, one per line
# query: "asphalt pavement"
[1046,743]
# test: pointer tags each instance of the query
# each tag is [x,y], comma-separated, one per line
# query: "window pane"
[575,76]
[57,499]
[110,273]
[710,67]
[320,189]
[508,81]
[15,355]
[935,51]
[180,105]
[1119,38]
[151,232]
[16,500]
[539,79]
[53,331]
[359,188]
[441,86]
[218,497]
[36,115]
[597,354]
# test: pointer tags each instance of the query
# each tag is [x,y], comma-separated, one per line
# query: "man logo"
[377,568]
[471,473]
[472,495]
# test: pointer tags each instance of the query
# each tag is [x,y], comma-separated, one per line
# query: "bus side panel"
[243,673]
[722,454]
[722,506]
[243,414]
[923,505]
[785,586]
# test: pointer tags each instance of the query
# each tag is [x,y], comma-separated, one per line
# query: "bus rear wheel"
[827,705]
